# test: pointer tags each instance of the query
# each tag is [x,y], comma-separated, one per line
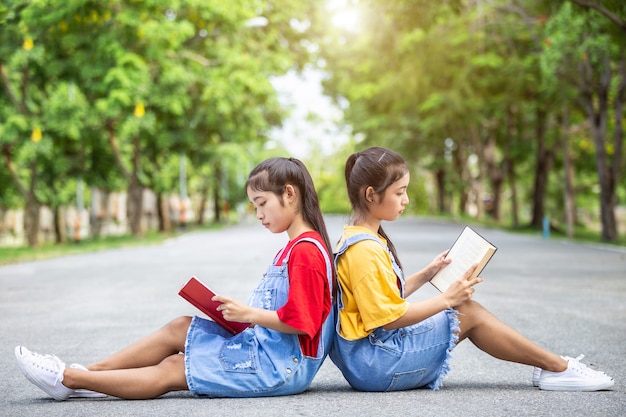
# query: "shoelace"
[49,363]
[585,370]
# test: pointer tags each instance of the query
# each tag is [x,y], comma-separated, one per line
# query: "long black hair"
[274,174]
[374,167]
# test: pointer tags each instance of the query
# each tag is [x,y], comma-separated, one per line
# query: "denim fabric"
[258,361]
[406,358]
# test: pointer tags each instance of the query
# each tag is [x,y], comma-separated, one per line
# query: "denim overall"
[399,359]
[258,361]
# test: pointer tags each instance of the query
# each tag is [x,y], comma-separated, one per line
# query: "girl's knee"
[470,307]
[173,362]
[179,324]
[173,373]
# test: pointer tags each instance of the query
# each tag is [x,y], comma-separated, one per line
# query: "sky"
[302,93]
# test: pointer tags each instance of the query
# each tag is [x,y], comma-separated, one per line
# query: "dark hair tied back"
[374,167]
[275,174]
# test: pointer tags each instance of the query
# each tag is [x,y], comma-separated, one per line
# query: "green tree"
[463,89]
[586,49]
[149,80]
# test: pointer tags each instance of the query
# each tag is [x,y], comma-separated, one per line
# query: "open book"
[469,248]
[201,296]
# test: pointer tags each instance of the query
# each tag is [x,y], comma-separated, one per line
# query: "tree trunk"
[31,221]
[597,109]
[495,175]
[477,181]
[460,166]
[569,196]
[204,196]
[134,206]
[514,131]
[163,213]
[217,183]
[60,235]
[510,172]
[440,181]
[544,158]
[33,206]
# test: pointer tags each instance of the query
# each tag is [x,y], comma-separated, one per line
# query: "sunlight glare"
[345,14]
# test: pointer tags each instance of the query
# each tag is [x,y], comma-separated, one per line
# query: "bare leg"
[499,340]
[137,383]
[149,351]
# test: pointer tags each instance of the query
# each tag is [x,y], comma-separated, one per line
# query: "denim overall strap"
[358,238]
[329,268]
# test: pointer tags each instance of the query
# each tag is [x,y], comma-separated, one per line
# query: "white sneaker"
[537,370]
[84,393]
[536,376]
[46,372]
[577,377]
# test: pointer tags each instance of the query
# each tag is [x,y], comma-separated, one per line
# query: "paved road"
[568,297]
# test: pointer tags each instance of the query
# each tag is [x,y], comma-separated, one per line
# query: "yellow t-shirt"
[371,297]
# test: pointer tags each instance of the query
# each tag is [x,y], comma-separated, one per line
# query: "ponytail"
[374,167]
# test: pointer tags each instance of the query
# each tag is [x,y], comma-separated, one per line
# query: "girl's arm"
[234,310]
[459,292]
[415,281]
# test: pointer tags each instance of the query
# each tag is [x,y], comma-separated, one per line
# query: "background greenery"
[508,111]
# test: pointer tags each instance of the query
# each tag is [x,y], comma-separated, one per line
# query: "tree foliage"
[487,95]
[111,91]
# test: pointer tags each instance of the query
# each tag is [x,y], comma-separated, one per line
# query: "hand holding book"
[202,296]
[469,249]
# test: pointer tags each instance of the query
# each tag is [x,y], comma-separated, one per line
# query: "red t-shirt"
[309,300]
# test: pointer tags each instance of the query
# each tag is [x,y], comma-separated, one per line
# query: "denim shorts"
[410,357]
[257,362]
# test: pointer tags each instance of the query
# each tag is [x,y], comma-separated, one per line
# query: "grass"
[12,255]
[580,234]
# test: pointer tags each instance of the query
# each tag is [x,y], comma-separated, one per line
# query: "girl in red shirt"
[292,321]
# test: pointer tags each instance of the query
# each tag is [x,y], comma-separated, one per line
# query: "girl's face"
[395,199]
[276,217]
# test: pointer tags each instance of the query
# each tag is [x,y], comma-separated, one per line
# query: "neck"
[366,221]
[297,227]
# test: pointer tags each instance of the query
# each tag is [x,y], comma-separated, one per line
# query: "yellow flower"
[140,110]
[28,43]
[36,135]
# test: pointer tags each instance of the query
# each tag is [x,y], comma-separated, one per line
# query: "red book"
[201,296]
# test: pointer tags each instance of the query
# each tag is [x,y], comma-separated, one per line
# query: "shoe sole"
[87,394]
[597,387]
[26,372]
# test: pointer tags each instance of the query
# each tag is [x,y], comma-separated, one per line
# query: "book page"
[470,248]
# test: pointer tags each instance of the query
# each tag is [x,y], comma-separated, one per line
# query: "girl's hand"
[462,289]
[439,262]
[233,310]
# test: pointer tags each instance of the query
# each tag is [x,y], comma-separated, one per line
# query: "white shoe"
[46,372]
[577,377]
[84,393]
[536,375]
[537,370]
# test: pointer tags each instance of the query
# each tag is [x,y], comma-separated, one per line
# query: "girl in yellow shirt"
[386,343]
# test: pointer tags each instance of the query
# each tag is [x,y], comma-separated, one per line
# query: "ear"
[290,192]
[369,194]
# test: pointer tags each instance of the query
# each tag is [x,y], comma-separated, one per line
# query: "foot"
[577,377]
[84,393]
[46,372]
